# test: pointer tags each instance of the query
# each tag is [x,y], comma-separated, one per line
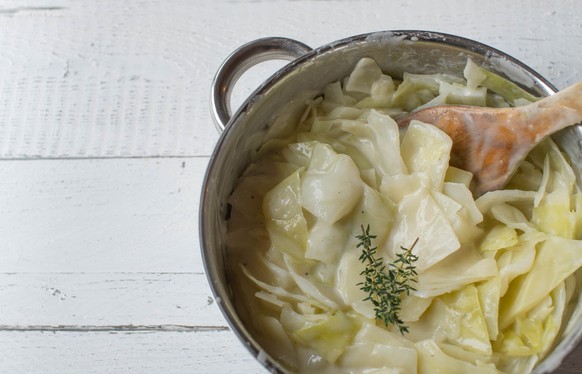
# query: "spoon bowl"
[491,142]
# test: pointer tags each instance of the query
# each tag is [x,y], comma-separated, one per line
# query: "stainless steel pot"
[310,70]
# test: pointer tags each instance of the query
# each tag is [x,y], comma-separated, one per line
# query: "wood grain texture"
[111,79]
[144,352]
[105,135]
[101,215]
[72,352]
[89,301]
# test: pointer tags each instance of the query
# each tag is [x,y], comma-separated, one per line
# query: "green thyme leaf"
[385,284]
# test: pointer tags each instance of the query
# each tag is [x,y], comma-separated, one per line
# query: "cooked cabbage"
[495,275]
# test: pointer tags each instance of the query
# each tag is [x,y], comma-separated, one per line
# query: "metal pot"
[310,70]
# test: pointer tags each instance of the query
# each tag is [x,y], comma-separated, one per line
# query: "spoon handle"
[554,112]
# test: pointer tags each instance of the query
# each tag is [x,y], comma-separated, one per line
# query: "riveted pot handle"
[242,59]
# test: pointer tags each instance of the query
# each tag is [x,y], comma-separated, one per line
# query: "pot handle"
[239,61]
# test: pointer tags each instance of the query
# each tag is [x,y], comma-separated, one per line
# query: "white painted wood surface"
[104,138]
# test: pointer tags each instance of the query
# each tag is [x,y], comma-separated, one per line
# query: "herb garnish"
[385,284]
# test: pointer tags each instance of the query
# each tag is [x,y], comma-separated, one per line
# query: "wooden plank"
[41,311]
[111,79]
[53,301]
[124,352]
[138,352]
[102,215]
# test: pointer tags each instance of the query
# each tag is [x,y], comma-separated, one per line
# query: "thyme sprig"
[385,284]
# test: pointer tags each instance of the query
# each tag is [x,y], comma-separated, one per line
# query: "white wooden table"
[105,134]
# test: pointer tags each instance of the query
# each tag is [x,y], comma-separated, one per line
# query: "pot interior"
[284,95]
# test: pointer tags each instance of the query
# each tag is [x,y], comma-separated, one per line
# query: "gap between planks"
[116,328]
[77,158]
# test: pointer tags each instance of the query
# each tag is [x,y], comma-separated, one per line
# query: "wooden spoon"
[491,142]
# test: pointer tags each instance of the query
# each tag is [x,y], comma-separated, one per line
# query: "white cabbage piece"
[555,214]
[298,153]
[527,177]
[331,134]
[271,334]
[310,286]
[284,216]
[396,187]
[555,319]
[557,258]
[459,269]
[498,197]
[334,96]
[247,199]
[347,280]
[326,242]
[517,365]
[283,294]
[432,360]
[437,323]
[344,112]
[473,74]
[365,74]
[272,270]
[543,186]
[498,237]
[512,217]
[379,358]
[440,99]
[459,353]
[518,259]
[456,175]
[461,193]
[460,320]
[426,149]
[378,139]
[412,307]
[369,177]
[328,334]
[383,89]
[459,217]
[418,89]
[272,301]
[377,350]
[291,320]
[369,332]
[306,309]
[555,208]
[489,293]
[419,217]
[331,186]
[376,210]
[533,333]
[562,174]
[459,94]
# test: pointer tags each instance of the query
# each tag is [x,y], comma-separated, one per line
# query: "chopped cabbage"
[489,294]
[432,360]
[478,76]
[495,275]
[378,139]
[365,74]
[419,216]
[330,187]
[329,335]
[426,149]
[284,216]
[555,260]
